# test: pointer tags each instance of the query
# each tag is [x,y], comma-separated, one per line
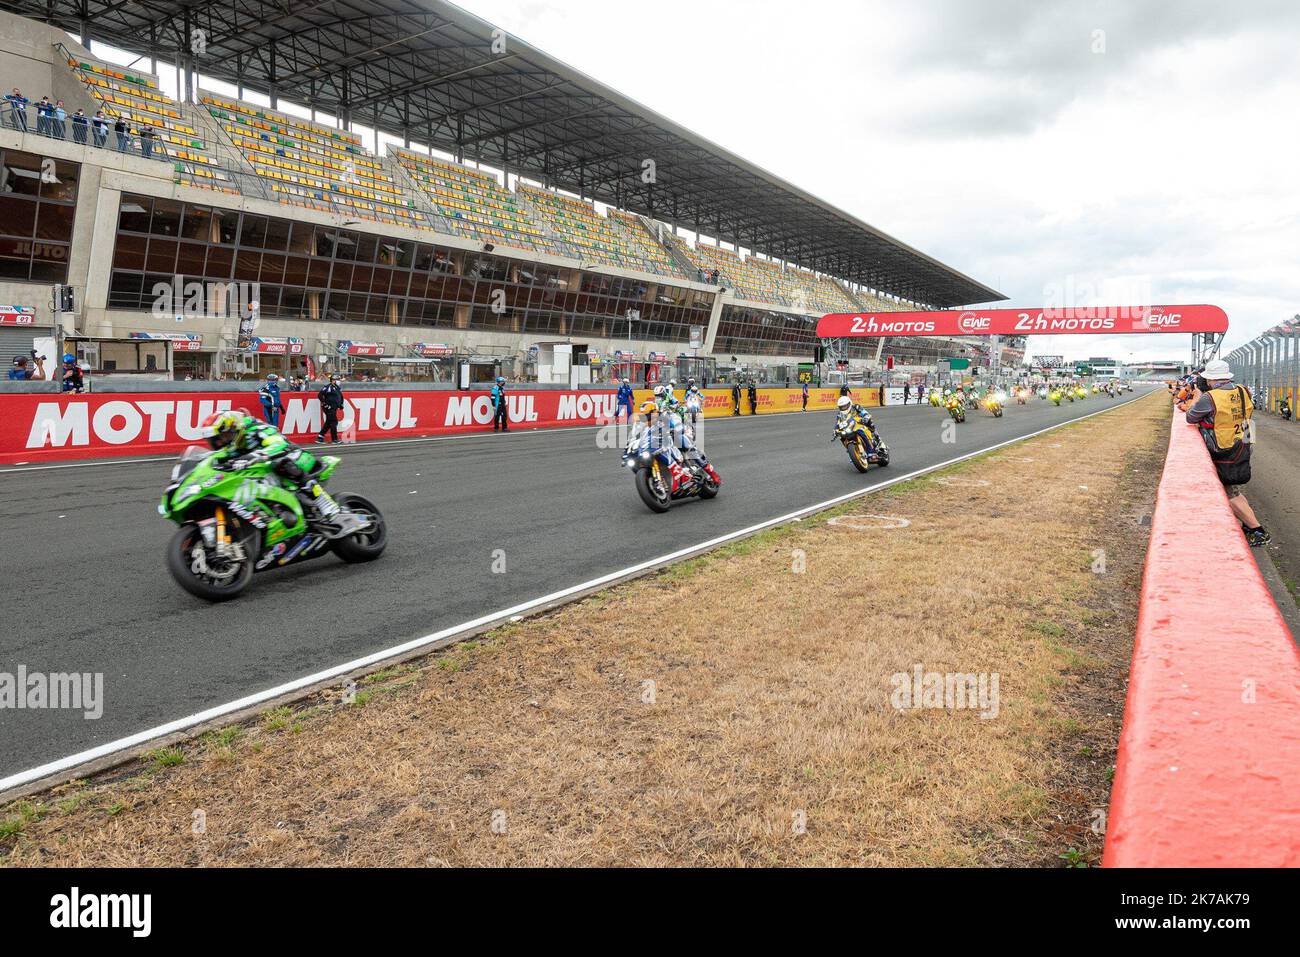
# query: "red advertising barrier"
[1208,771]
[46,427]
[1077,320]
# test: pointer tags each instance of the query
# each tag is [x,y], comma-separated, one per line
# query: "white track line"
[501,617]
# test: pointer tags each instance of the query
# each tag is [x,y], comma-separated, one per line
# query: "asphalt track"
[85,588]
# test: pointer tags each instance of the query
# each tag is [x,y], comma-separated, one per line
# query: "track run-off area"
[481,528]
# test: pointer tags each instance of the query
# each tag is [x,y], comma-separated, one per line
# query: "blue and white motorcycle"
[667,466]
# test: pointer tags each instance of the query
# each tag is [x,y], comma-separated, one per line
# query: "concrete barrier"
[1208,770]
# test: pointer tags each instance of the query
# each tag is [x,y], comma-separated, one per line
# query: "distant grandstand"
[517,212]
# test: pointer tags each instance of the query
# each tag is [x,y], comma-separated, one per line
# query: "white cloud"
[991,136]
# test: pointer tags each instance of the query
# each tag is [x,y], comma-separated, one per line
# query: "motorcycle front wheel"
[858,455]
[367,544]
[652,490]
[188,561]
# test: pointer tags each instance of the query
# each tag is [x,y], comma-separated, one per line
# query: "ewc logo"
[970,322]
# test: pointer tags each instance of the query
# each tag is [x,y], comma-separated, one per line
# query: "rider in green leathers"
[242,441]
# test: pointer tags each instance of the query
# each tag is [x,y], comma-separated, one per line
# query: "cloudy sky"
[1077,152]
[1094,152]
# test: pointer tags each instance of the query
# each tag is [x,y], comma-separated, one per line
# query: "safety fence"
[44,427]
[1269,365]
[1208,770]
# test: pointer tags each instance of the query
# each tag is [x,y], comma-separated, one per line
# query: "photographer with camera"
[22,370]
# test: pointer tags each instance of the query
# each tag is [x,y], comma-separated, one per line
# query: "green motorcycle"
[235,523]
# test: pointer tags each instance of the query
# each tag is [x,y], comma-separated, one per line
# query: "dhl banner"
[719,402]
[44,427]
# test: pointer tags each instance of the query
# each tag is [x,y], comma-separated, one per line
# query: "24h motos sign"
[1079,320]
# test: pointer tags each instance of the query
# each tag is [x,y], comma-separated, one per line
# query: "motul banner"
[47,427]
[1109,320]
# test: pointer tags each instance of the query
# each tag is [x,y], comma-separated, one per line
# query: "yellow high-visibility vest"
[1232,407]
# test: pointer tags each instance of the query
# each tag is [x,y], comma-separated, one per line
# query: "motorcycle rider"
[694,399]
[845,404]
[688,460]
[242,441]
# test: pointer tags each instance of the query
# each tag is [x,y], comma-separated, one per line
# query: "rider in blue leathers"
[693,401]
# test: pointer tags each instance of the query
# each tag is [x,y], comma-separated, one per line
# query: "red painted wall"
[1208,771]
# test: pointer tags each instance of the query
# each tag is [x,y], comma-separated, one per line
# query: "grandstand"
[513,220]
[136,97]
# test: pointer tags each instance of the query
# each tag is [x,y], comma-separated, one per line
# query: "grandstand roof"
[427,69]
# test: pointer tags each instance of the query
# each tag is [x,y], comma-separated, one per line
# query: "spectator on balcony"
[44,116]
[80,124]
[99,128]
[60,120]
[123,133]
[147,137]
[1222,413]
[17,109]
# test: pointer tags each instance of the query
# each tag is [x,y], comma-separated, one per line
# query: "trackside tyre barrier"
[1208,770]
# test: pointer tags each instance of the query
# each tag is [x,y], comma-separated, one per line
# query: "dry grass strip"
[730,711]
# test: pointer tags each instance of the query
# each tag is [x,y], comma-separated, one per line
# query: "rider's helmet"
[843,403]
[647,407]
[272,377]
[500,379]
[691,381]
[626,380]
[659,391]
[221,428]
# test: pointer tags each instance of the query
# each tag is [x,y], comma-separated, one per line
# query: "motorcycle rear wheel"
[180,562]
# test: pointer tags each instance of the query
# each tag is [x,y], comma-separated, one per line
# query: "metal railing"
[27,120]
[1269,365]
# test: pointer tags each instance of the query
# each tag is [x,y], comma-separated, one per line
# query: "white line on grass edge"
[477,625]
